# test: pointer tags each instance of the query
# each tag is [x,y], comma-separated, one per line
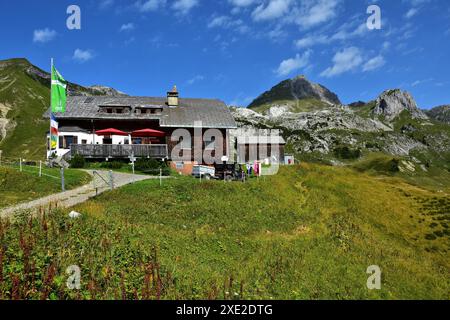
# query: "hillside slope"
[24,97]
[309,232]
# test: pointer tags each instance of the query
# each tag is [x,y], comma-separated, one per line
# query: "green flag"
[59,86]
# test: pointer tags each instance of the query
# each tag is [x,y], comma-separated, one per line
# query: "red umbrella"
[147,133]
[111,132]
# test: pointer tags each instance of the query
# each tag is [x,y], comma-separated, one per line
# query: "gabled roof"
[211,113]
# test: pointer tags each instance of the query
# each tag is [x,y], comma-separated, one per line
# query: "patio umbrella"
[148,133]
[111,132]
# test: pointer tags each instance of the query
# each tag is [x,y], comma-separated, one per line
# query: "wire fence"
[34,167]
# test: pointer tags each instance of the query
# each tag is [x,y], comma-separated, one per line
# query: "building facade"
[185,129]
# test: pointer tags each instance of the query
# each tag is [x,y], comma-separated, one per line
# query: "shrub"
[112,165]
[344,152]
[151,166]
[77,162]
[394,165]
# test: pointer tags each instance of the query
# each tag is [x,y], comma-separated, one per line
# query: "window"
[148,111]
[83,141]
[114,109]
[66,141]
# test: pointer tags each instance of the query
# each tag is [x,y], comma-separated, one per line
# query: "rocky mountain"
[295,95]
[441,114]
[391,124]
[392,103]
[24,97]
[106,91]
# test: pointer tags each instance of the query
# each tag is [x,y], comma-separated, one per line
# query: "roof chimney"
[172,97]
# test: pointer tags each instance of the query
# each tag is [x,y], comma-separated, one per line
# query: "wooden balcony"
[103,151]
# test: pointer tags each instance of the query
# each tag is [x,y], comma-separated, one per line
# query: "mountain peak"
[293,90]
[441,114]
[391,103]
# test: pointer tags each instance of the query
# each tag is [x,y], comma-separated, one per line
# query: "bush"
[345,152]
[112,165]
[151,166]
[77,162]
[394,165]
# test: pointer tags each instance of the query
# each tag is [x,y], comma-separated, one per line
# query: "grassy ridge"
[308,233]
[29,99]
[18,186]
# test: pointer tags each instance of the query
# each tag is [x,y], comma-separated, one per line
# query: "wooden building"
[184,128]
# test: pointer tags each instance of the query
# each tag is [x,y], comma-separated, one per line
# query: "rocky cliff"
[392,103]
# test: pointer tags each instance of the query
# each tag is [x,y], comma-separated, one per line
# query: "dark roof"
[71,129]
[212,113]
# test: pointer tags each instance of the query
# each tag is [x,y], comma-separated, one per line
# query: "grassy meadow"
[309,232]
[16,186]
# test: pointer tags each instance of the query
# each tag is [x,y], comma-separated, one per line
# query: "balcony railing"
[97,151]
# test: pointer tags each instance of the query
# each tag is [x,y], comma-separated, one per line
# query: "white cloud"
[195,79]
[411,13]
[420,82]
[228,23]
[82,55]
[242,3]
[149,5]
[343,33]
[316,13]
[106,4]
[44,35]
[272,10]
[293,64]
[127,27]
[345,60]
[184,6]
[374,63]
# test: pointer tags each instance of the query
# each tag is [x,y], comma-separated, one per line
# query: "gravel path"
[78,195]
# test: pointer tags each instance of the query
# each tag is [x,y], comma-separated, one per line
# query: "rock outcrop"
[441,114]
[392,103]
[365,126]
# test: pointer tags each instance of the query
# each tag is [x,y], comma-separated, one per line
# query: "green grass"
[29,99]
[308,233]
[16,186]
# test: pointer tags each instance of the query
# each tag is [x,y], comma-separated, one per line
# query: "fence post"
[63,186]
[111,179]
[160,177]
[40,168]
[20,164]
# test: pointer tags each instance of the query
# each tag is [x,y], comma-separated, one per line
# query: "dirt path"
[78,195]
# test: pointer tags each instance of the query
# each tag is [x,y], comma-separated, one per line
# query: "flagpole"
[50,132]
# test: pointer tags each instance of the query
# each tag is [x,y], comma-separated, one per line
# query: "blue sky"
[236,49]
